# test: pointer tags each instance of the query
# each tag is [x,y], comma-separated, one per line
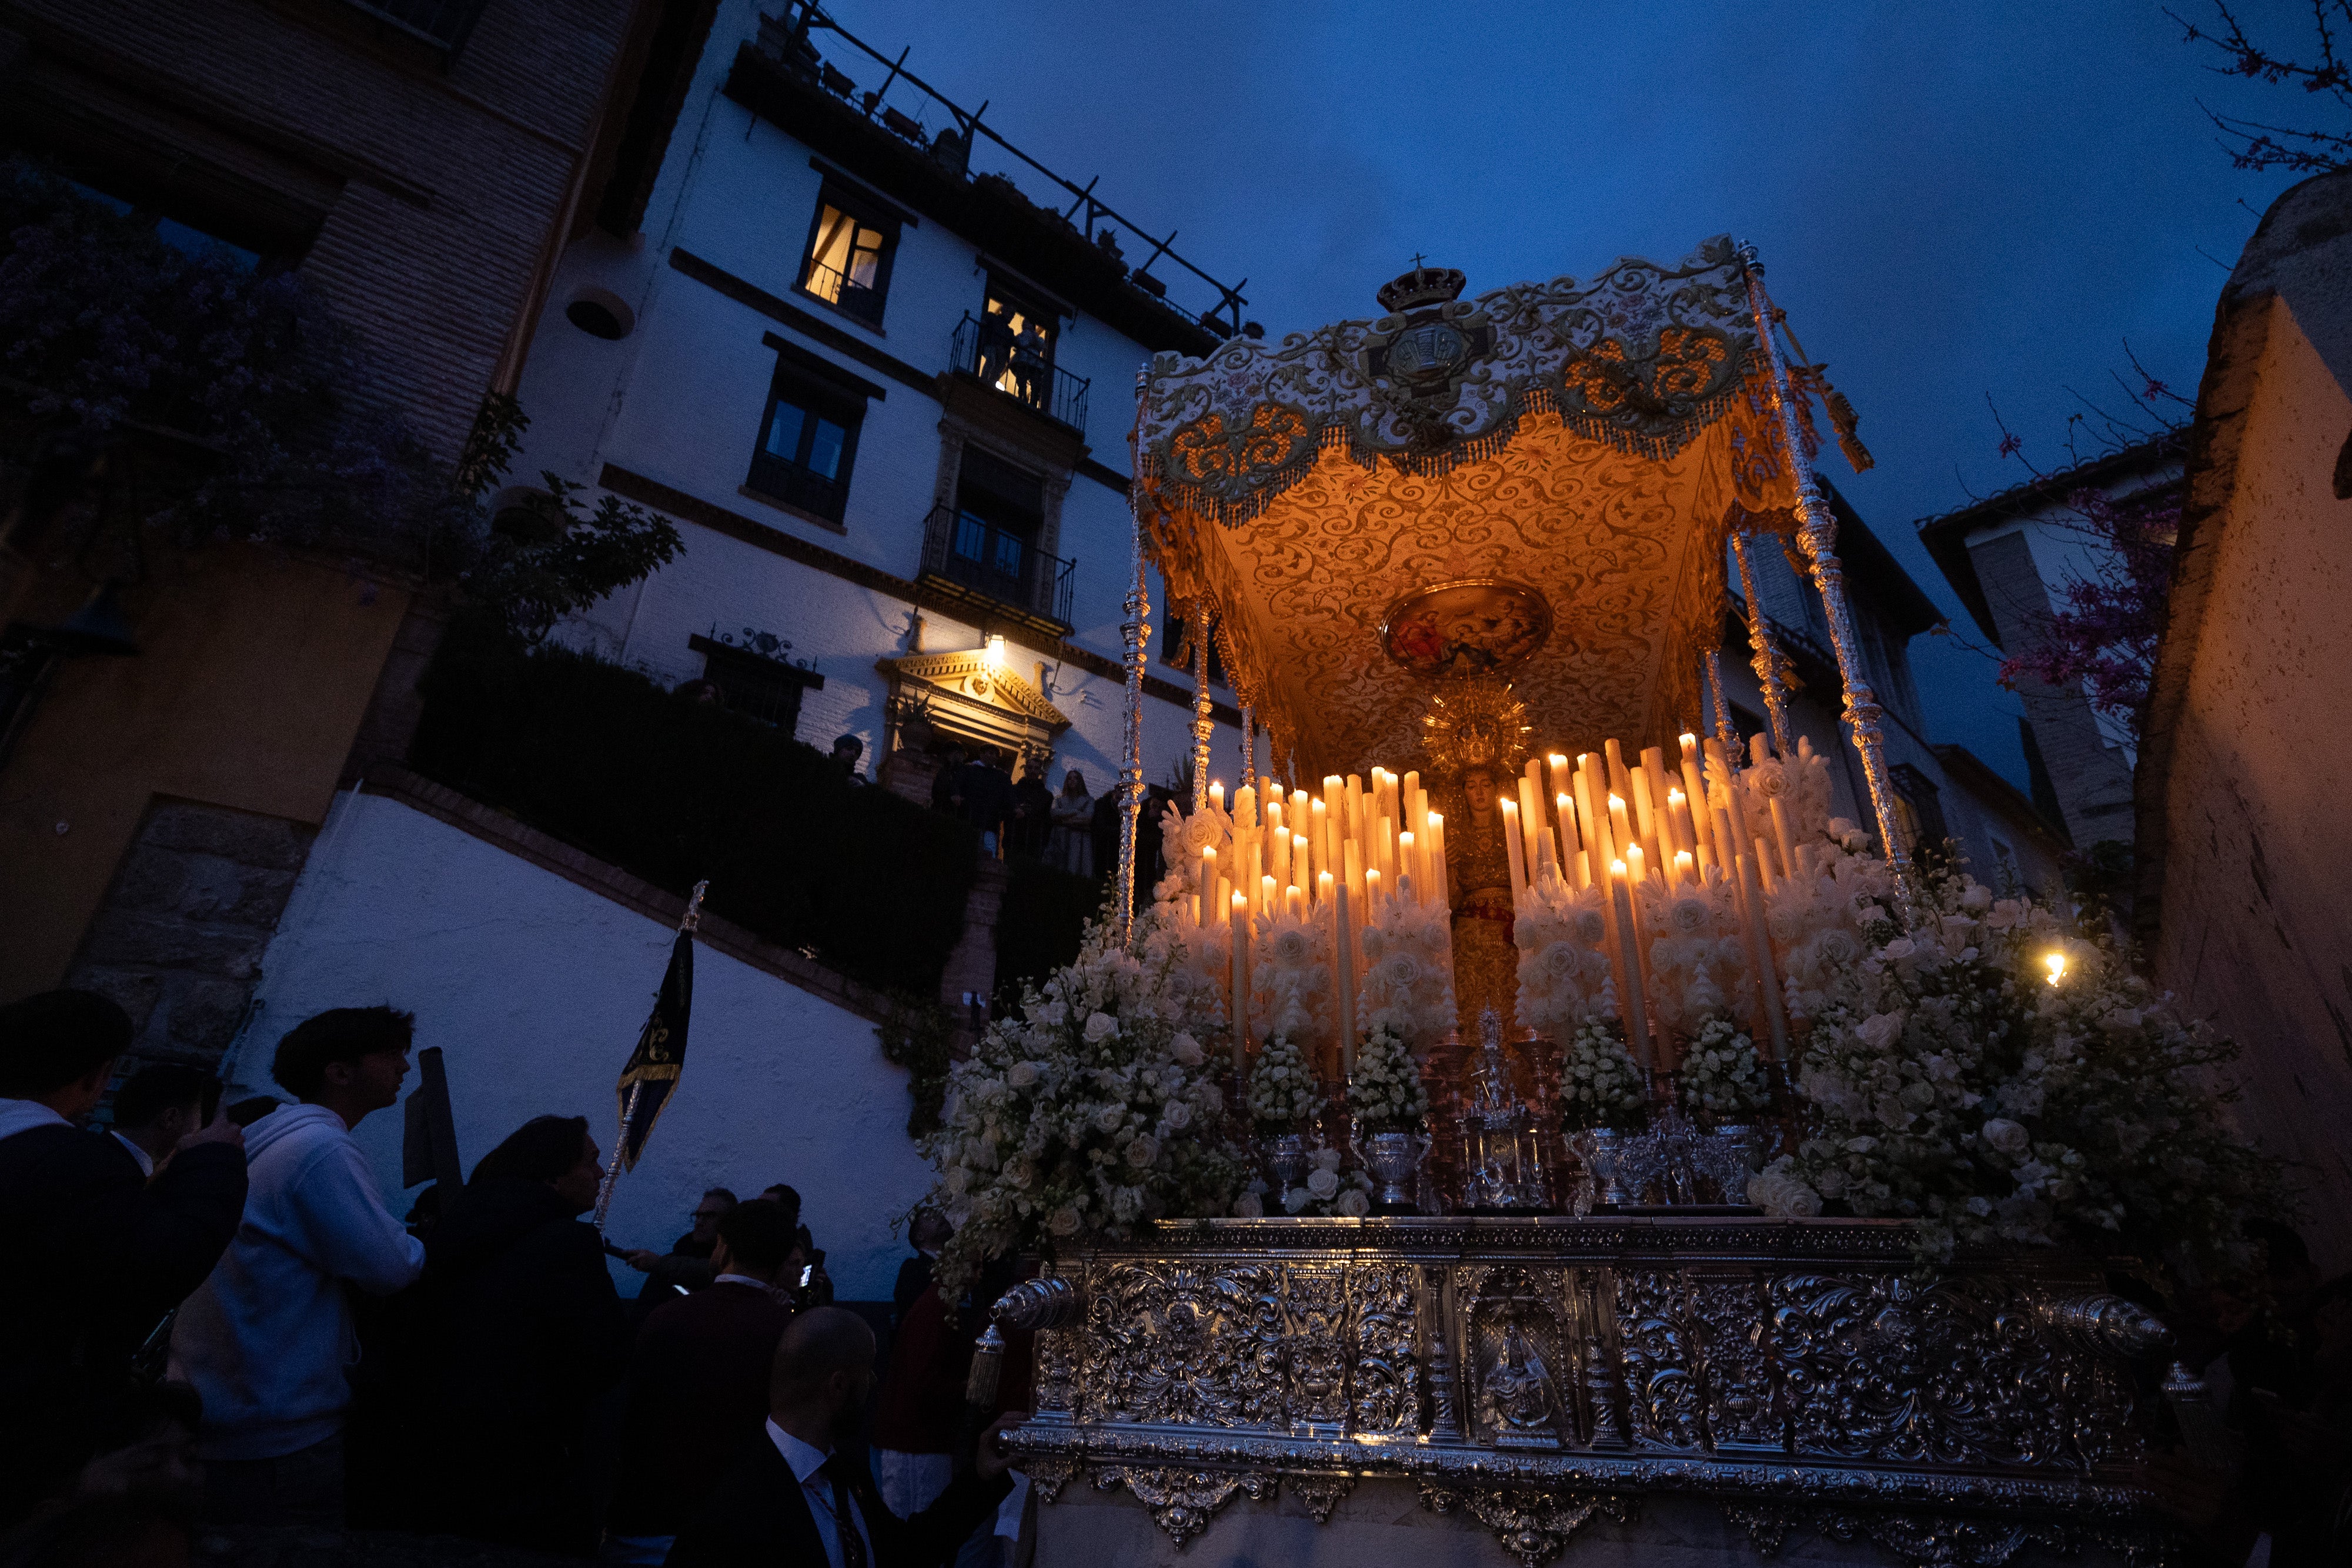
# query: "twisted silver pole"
[1135,633]
[1817,536]
[1766,657]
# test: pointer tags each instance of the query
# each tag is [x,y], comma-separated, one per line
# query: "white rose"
[1323,1183]
[1402,970]
[1690,916]
[1324,1159]
[1901,947]
[1100,1026]
[1065,1222]
[1249,1206]
[1769,778]
[1109,1117]
[1143,1151]
[1295,1200]
[1879,1030]
[1562,961]
[1292,950]
[1836,946]
[2006,1137]
[1023,1075]
[1977,899]
[1185,1050]
[1177,1116]
[1588,926]
[1354,1204]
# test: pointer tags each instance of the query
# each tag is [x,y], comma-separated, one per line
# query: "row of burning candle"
[1633,829]
[1330,858]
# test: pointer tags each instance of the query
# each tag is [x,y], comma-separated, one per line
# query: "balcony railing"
[985,350]
[991,563]
[838,288]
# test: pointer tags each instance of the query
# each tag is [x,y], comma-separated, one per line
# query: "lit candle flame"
[2057,962]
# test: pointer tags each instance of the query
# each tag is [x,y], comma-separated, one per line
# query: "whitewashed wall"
[535,988]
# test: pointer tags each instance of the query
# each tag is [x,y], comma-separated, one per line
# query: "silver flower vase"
[1728,1155]
[1392,1159]
[1604,1151]
[1285,1159]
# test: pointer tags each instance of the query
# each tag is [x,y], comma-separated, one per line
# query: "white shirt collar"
[803,1460]
[146,1161]
[23,1115]
[742,1279]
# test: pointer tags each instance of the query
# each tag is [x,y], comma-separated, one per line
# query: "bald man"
[791,1501]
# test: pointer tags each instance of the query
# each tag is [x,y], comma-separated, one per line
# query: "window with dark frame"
[755,685]
[847,264]
[808,442]
[1921,805]
[1000,514]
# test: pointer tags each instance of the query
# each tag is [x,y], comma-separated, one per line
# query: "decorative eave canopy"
[973,697]
[1594,440]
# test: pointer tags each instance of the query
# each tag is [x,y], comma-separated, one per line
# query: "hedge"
[1043,917]
[869,884]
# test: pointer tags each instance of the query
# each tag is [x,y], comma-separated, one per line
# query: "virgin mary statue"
[1473,736]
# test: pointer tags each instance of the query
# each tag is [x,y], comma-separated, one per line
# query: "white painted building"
[820,374]
[789,360]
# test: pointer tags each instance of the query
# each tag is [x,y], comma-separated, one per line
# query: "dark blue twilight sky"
[1953,200]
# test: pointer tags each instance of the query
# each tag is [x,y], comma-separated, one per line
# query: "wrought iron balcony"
[838,288]
[978,561]
[985,351]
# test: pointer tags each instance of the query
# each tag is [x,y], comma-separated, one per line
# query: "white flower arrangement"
[1562,934]
[1385,1091]
[1092,1110]
[1601,1085]
[1328,1191]
[1407,979]
[1283,1091]
[1720,1076]
[1949,1080]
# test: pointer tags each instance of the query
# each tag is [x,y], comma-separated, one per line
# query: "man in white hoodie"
[268,1339]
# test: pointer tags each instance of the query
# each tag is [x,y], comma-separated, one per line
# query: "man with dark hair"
[818,1292]
[160,1104]
[112,1252]
[686,1267]
[699,1382]
[267,1339]
[797,1500]
[846,751]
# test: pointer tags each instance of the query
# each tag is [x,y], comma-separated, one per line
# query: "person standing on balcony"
[1073,848]
[1031,371]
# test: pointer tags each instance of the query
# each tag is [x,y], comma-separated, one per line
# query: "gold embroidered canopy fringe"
[1596,441]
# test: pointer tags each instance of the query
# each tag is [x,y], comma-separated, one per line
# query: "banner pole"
[691,922]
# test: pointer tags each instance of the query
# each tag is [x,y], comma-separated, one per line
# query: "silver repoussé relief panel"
[1537,1374]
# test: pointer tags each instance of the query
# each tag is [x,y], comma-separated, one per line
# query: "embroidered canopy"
[1591,441]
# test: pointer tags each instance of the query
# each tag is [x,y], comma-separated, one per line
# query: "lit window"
[848,262]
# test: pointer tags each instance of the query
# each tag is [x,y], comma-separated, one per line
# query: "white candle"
[1636,1016]
[1695,797]
[1343,947]
[1513,852]
[1409,867]
[1240,1013]
[1437,891]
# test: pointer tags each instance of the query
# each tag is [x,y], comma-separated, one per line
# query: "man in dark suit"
[794,1500]
[104,1254]
[699,1382]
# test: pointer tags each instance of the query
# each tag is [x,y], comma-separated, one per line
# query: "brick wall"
[2093,783]
[178,941]
[449,184]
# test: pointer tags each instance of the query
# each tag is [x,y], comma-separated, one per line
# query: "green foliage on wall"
[863,882]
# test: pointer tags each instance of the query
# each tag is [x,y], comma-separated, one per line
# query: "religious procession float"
[1524,1116]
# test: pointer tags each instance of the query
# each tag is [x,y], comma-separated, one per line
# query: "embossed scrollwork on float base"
[1529,1373]
[1533,1525]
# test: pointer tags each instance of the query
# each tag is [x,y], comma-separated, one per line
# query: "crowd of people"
[1022,817]
[224,1324]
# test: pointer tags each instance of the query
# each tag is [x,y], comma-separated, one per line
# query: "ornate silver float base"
[1529,1381]
[1312,1521]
